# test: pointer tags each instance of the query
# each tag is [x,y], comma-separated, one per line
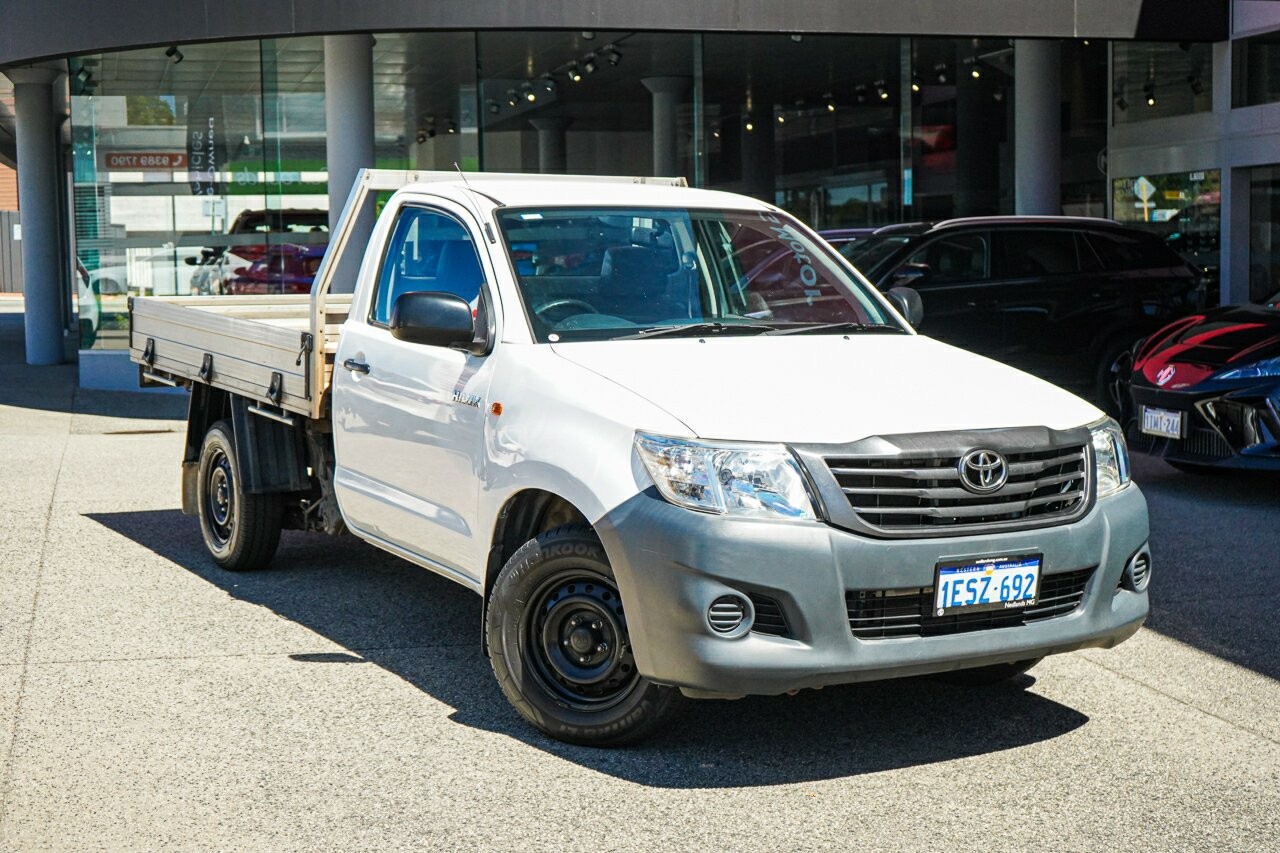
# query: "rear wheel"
[241,531]
[559,645]
[985,676]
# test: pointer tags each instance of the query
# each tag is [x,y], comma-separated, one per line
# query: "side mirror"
[908,303]
[191,261]
[432,318]
[909,275]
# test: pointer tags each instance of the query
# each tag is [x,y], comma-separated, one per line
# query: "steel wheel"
[577,634]
[558,642]
[220,497]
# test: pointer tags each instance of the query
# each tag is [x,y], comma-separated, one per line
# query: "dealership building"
[150,138]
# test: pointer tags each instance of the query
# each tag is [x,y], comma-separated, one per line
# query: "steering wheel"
[587,308]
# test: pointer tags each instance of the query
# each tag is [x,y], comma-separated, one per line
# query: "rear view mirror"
[908,303]
[432,318]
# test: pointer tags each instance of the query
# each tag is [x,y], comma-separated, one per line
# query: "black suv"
[1059,297]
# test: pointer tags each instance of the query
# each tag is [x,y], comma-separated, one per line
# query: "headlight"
[752,480]
[1111,457]
[1257,370]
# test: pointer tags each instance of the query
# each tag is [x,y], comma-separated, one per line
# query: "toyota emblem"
[982,471]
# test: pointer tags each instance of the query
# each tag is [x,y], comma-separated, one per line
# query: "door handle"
[355,366]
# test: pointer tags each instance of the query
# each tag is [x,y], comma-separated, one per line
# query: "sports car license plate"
[986,583]
[1161,422]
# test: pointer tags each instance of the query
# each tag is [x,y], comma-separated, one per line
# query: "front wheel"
[559,646]
[241,531]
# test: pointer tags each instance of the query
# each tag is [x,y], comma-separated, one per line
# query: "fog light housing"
[730,615]
[1137,574]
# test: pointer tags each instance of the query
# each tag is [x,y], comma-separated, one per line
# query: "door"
[408,418]
[954,282]
[1048,295]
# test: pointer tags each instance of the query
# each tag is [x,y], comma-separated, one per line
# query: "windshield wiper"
[846,326]
[698,329]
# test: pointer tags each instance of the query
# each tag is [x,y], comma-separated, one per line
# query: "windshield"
[605,273]
[869,253]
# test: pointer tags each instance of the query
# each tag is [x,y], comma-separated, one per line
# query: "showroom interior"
[141,153]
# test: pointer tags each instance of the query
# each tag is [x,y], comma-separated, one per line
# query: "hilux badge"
[1165,374]
[460,396]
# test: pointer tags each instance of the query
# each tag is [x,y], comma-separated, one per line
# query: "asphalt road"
[340,700]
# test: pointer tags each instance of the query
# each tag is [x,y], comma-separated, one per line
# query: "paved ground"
[340,700]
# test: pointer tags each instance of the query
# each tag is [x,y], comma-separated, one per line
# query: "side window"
[1120,251]
[428,250]
[955,259]
[1038,252]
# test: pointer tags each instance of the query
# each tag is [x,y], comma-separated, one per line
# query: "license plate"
[1161,422]
[986,583]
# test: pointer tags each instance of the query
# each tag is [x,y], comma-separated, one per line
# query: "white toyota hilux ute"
[677,444]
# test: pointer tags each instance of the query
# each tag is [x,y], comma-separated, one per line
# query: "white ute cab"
[678,445]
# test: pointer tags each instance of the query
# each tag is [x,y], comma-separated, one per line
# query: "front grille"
[770,619]
[886,613]
[1201,444]
[899,494]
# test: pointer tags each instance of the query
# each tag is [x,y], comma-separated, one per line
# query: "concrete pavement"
[340,700]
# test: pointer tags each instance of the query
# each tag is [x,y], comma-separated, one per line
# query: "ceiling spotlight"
[422,136]
[513,99]
[915,84]
[588,34]
[613,55]
[975,72]
[829,102]
[782,119]
[797,38]
[1150,91]
[715,134]
[548,83]
[749,124]
[1197,87]
[173,53]
[453,126]
[574,72]
[493,106]
[589,64]
[1121,103]
[941,70]
[860,94]
[881,92]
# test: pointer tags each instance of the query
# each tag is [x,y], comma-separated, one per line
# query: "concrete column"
[1037,134]
[552,159]
[39,185]
[348,119]
[666,92]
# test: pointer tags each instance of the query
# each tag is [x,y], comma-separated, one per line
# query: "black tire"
[1111,387]
[241,531]
[986,676]
[559,647]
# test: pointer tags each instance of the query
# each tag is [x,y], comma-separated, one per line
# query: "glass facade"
[1160,80]
[1264,234]
[201,169]
[1255,72]
[1182,207]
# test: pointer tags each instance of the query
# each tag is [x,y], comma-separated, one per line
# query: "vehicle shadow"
[1220,595]
[425,630]
[55,388]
